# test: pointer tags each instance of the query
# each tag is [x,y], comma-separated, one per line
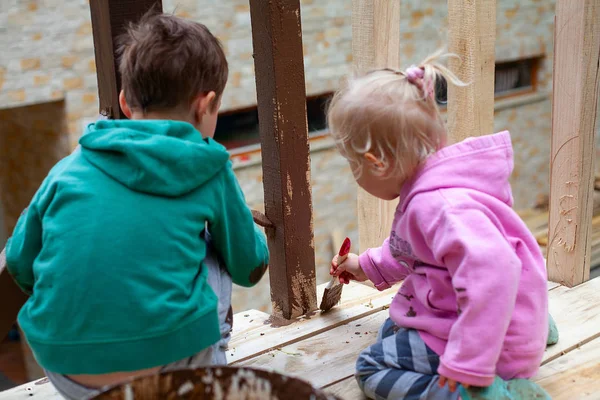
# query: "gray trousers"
[220,281]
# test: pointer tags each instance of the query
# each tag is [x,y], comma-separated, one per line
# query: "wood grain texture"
[327,357]
[471,36]
[109,18]
[357,302]
[575,375]
[575,311]
[575,95]
[281,93]
[375,44]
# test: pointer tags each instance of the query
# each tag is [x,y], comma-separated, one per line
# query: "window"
[240,128]
[511,78]
[515,77]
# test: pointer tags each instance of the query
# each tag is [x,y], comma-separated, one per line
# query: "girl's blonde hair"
[392,115]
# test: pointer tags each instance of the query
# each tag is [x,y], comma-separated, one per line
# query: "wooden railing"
[277,40]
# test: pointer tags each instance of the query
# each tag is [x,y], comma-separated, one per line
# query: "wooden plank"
[573,310]
[575,98]
[471,36]
[40,389]
[357,302]
[109,18]
[375,44]
[575,375]
[248,321]
[346,389]
[281,93]
[327,357]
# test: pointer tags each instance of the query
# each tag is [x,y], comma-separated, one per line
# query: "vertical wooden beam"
[574,102]
[375,44]
[109,18]
[472,36]
[280,88]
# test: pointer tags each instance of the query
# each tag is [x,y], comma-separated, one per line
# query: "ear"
[123,103]
[373,160]
[203,104]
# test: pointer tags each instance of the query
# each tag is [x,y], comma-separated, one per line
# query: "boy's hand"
[452,384]
[349,269]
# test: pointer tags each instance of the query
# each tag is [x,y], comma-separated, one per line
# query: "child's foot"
[514,389]
[552,332]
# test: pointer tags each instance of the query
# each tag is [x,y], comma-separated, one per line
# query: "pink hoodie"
[474,276]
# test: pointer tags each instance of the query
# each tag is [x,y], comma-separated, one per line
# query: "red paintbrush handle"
[344,250]
[343,255]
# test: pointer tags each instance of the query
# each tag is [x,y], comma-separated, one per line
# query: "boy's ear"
[373,160]
[123,103]
[204,102]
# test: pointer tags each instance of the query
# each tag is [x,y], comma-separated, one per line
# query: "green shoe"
[552,332]
[514,389]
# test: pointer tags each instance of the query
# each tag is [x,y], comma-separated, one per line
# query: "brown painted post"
[109,18]
[280,87]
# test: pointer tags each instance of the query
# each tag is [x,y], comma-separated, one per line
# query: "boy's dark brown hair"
[165,61]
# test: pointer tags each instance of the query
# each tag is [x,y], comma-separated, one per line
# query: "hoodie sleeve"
[381,267]
[485,272]
[241,243]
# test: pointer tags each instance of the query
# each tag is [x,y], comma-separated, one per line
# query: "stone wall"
[48,53]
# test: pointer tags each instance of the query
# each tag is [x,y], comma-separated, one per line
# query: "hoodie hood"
[159,157]
[483,164]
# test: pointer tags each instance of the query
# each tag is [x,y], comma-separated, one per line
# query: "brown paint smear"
[257,274]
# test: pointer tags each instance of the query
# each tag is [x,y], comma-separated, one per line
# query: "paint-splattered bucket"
[215,383]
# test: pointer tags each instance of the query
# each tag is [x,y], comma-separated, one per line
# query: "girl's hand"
[349,269]
[452,384]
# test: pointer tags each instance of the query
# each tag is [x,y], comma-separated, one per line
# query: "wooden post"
[574,102]
[281,93]
[472,36]
[375,44]
[109,18]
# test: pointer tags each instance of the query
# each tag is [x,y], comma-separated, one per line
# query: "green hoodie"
[110,248]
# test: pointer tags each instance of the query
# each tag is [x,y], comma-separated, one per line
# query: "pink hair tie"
[413,73]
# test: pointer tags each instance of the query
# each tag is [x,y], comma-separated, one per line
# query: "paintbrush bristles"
[331,296]
[333,292]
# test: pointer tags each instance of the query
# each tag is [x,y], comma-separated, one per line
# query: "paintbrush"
[333,291]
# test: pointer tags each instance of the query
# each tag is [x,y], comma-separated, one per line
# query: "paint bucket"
[214,383]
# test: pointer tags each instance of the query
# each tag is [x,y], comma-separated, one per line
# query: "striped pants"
[400,366]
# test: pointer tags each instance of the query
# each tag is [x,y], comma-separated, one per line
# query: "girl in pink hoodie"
[472,312]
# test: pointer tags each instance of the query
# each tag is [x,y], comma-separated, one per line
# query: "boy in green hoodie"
[113,249]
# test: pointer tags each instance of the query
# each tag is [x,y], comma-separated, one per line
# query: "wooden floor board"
[575,311]
[357,301]
[574,376]
[324,358]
